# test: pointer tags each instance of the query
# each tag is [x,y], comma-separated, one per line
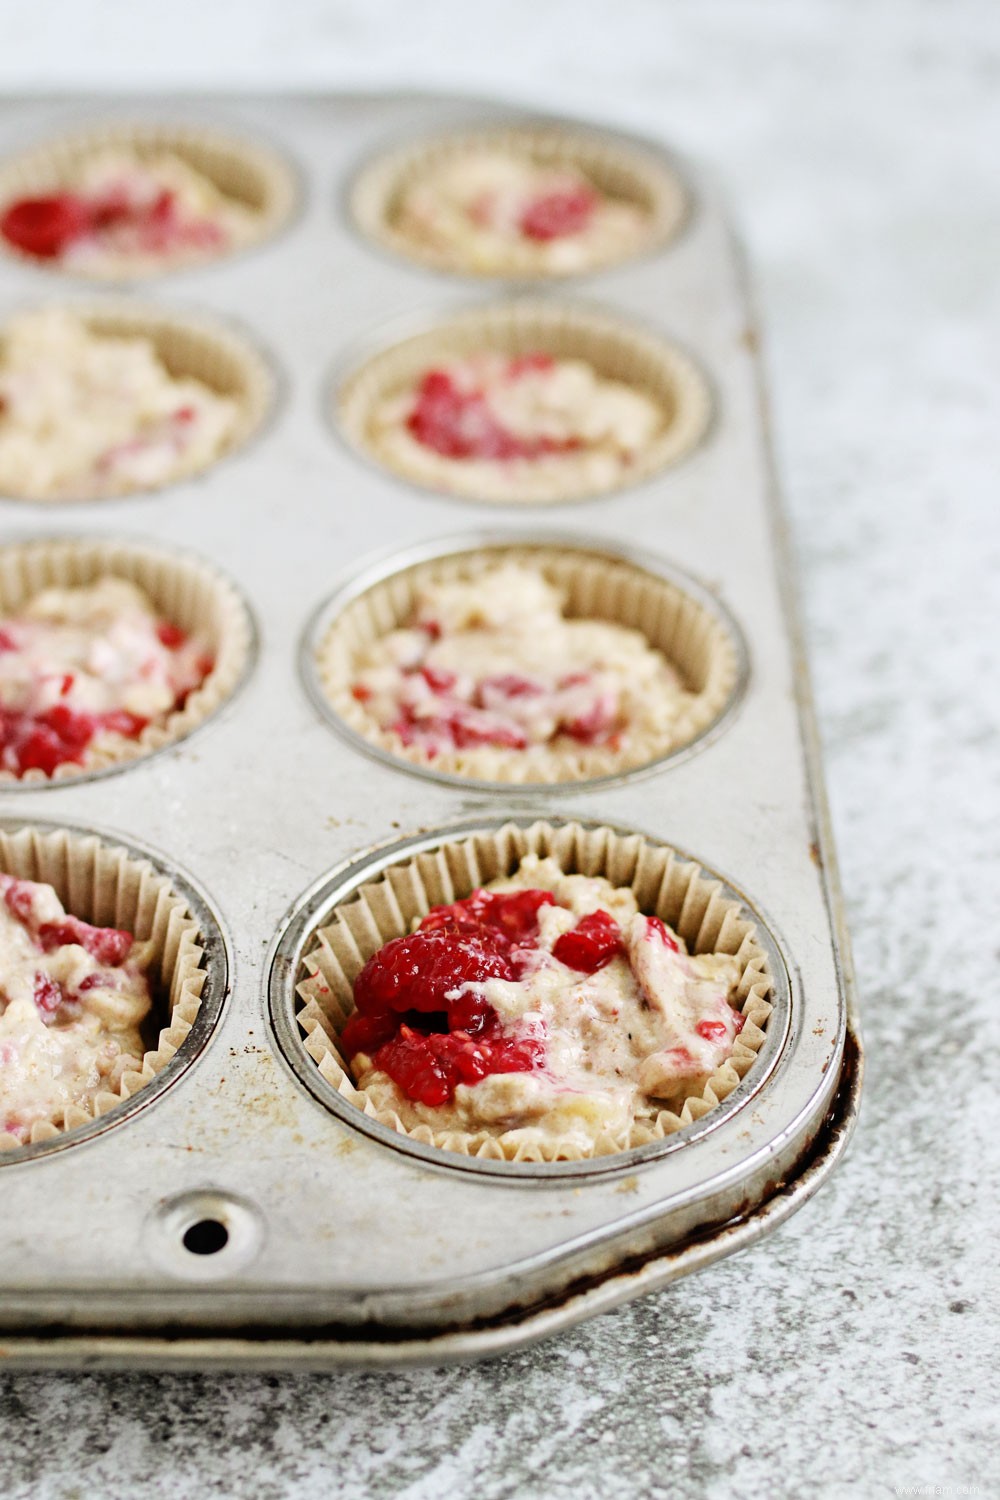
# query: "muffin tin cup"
[617,167]
[114,885]
[616,349]
[707,916]
[678,617]
[183,589]
[252,174]
[188,345]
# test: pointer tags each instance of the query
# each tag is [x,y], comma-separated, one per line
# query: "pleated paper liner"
[181,587]
[109,887]
[664,884]
[617,168]
[597,585]
[615,349]
[188,345]
[254,176]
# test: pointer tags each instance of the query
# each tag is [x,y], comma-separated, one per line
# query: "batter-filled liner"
[615,349]
[188,345]
[184,590]
[618,169]
[665,885]
[109,887]
[253,175]
[598,586]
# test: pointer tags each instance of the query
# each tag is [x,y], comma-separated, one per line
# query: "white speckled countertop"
[851,1353]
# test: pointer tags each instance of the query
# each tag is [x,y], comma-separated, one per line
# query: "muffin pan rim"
[336,886]
[377,568]
[218,964]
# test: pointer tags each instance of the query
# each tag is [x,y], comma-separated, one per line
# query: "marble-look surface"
[852,1353]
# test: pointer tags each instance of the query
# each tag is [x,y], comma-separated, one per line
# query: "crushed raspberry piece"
[360,692]
[510,915]
[460,424]
[18,900]
[429,1068]
[593,942]
[45,227]
[185,414]
[120,721]
[740,1020]
[437,679]
[418,972]
[712,1031]
[97,981]
[48,993]
[170,635]
[595,725]
[506,686]
[552,216]
[368,1033]
[108,945]
[530,364]
[7,641]
[653,924]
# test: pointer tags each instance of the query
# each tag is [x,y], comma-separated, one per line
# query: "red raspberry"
[512,915]
[712,1031]
[368,1033]
[108,945]
[460,424]
[593,942]
[48,993]
[553,215]
[170,635]
[17,895]
[45,227]
[663,933]
[419,971]
[120,721]
[428,1069]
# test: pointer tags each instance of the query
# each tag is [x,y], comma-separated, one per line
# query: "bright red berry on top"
[593,943]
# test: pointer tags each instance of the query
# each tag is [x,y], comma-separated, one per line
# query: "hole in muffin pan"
[219,353]
[619,349]
[361,904]
[186,589]
[109,880]
[203,1235]
[251,172]
[618,165]
[646,591]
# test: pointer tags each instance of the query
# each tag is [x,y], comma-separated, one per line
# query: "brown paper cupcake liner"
[696,641]
[617,168]
[110,887]
[188,345]
[254,176]
[184,590]
[664,884]
[615,349]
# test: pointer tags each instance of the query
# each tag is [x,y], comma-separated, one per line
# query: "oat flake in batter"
[497,213]
[84,416]
[489,668]
[505,427]
[72,1000]
[80,665]
[126,214]
[543,1008]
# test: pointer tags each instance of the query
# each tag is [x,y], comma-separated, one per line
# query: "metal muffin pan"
[235,1220]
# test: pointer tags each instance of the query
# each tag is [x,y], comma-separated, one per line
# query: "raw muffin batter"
[498,213]
[546,1007]
[500,427]
[126,214]
[81,665]
[72,1000]
[489,667]
[84,416]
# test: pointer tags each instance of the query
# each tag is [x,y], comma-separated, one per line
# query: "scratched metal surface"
[327,1225]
